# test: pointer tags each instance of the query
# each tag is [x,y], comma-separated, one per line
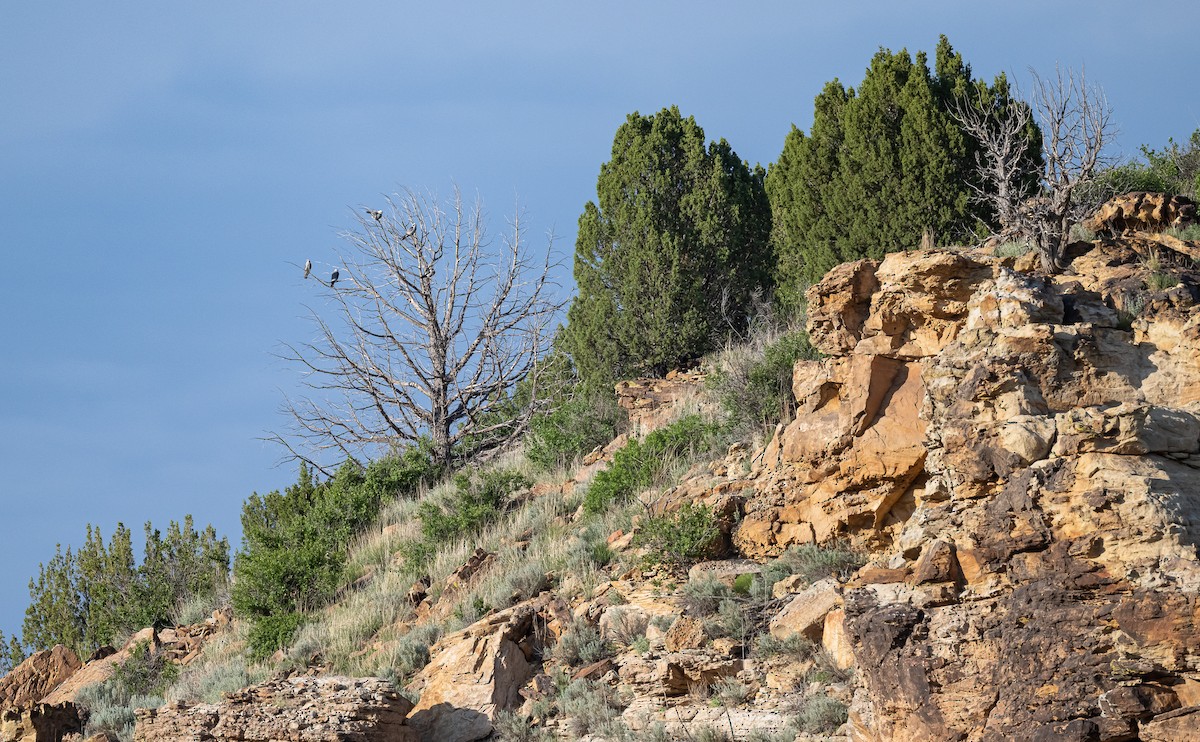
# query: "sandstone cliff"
[1020,454]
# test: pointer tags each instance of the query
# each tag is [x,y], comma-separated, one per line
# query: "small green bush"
[580,645]
[681,538]
[1012,249]
[145,673]
[271,633]
[637,464]
[795,645]
[592,708]
[1190,233]
[477,501]
[510,727]
[1161,280]
[138,682]
[572,429]
[755,389]
[702,597]
[821,714]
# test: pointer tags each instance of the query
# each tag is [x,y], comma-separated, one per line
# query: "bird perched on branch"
[307,268]
[333,279]
[412,229]
[376,215]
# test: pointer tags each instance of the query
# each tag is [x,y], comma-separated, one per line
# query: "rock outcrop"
[297,709]
[1142,211]
[478,672]
[41,722]
[34,679]
[1021,455]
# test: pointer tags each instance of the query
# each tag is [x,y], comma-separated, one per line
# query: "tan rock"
[679,672]
[686,633]
[475,674]
[1142,211]
[299,709]
[835,640]
[938,563]
[41,722]
[35,678]
[1178,725]
[805,613]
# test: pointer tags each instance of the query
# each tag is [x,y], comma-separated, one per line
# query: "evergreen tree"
[667,261]
[880,166]
[84,599]
[53,615]
[11,654]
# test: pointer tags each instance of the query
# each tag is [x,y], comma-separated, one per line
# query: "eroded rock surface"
[296,709]
[1021,455]
[34,679]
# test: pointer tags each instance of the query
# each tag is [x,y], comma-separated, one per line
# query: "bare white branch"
[426,333]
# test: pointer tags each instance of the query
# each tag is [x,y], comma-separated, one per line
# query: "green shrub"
[580,645]
[742,584]
[411,652]
[477,501]
[702,597]
[207,683]
[1190,233]
[136,683]
[812,562]
[295,543]
[795,645]
[755,387]
[572,429]
[510,727]
[111,710]
[273,632]
[144,673]
[820,714]
[1161,281]
[1012,249]
[637,464]
[684,537]
[592,708]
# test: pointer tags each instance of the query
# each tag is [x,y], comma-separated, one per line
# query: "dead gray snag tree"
[425,336]
[1076,124]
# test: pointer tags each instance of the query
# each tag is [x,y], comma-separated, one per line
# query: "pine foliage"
[881,165]
[84,599]
[668,259]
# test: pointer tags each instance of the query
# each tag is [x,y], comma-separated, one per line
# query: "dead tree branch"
[425,335]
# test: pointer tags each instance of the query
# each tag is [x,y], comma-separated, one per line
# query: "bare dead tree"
[425,336]
[1076,124]
[1002,163]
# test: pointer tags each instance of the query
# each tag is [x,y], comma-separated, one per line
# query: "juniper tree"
[671,252]
[882,165]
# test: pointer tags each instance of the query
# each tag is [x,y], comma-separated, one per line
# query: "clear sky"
[164,165]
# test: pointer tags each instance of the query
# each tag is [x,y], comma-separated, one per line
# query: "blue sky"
[162,165]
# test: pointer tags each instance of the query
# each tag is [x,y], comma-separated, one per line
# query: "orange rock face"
[1142,212]
[34,679]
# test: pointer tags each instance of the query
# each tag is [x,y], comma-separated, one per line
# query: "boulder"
[476,673]
[35,678]
[805,613]
[686,633]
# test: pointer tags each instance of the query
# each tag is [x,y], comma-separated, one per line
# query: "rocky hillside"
[981,524]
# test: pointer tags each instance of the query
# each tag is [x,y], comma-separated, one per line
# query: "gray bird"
[376,215]
[307,268]
[333,279]
[412,229]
